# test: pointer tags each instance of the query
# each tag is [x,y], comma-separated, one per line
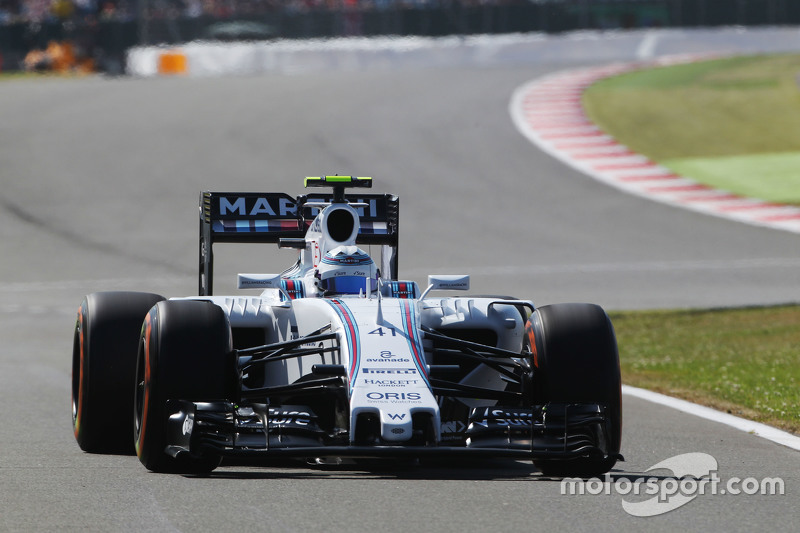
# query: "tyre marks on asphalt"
[61,298]
[549,112]
[151,282]
[36,310]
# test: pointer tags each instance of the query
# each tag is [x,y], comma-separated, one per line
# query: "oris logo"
[408,396]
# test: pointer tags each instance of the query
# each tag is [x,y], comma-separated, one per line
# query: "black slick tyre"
[576,361]
[185,353]
[104,349]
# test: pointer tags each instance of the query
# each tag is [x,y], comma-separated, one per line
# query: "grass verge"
[21,75]
[732,123]
[9,76]
[743,361]
[770,177]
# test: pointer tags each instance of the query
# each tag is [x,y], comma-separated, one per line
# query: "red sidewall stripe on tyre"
[148,328]
[548,111]
[76,423]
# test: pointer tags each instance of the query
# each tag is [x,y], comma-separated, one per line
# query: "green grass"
[9,76]
[20,75]
[732,123]
[744,361]
[771,177]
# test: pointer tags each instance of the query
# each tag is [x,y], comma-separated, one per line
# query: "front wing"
[551,431]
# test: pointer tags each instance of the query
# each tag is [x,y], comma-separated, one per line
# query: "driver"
[347,270]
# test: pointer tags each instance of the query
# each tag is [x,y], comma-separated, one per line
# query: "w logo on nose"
[397,416]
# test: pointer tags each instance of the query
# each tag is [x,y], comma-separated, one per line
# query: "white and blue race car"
[338,358]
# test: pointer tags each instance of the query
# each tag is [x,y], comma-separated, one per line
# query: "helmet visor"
[349,284]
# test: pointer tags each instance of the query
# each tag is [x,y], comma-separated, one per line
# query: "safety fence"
[101,39]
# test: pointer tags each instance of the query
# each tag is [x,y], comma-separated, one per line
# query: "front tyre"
[104,348]
[185,353]
[576,361]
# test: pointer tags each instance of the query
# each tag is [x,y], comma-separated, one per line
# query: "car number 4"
[380,331]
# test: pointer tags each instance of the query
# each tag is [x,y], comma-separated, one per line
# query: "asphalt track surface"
[100,180]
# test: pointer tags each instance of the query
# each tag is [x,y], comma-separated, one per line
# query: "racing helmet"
[347,270]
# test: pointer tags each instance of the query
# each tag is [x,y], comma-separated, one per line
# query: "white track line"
[548,111]
[756,428]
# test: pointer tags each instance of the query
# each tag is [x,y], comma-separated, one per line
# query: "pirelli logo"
[384,371]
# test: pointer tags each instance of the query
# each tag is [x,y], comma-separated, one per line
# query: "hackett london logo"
[390,382]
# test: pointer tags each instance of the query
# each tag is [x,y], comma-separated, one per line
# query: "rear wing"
[271,217]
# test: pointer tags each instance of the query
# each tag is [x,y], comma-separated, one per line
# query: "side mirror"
[450,282]
[259,281]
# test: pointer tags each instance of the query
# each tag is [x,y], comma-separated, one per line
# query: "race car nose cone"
[396,425]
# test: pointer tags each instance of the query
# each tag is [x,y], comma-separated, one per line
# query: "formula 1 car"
[338,358]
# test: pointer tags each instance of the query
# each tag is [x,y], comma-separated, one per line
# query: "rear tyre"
[576,361]
[185,353]
[103,368]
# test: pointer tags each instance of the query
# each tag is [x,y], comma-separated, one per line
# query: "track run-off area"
[548,111]
[101,179]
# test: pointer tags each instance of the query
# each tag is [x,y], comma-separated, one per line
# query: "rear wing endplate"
[269,217]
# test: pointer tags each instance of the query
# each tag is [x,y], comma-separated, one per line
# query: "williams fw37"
[337,357]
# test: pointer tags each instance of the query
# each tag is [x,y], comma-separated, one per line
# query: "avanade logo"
[693,474]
